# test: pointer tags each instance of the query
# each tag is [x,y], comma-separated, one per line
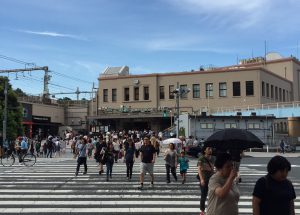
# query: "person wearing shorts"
[147,153]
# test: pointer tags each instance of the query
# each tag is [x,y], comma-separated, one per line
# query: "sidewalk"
[271,154]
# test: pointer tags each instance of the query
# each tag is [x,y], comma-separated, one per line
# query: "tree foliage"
[14,111]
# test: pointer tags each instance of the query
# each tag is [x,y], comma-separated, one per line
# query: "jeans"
[173,171]
[109,166]
[204,191]
[129,166]
[49,153]
[81,160]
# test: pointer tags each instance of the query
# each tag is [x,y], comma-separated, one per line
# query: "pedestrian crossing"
[50,187]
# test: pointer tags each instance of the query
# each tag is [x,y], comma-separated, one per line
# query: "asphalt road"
[50,187]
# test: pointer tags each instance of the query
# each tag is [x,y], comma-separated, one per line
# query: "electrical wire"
[73,78]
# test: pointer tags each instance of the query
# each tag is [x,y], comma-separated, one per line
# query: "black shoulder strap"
[208,163]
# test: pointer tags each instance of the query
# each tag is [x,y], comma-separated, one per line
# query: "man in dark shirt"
[147,153]
[274,194]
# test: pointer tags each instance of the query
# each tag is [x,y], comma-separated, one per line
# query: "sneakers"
[84,173]
[140,187]
[183,181]
[76,173]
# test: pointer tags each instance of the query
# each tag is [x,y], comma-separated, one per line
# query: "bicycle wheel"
[29,159]
[7,160]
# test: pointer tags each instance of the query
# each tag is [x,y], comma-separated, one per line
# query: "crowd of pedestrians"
[218,175]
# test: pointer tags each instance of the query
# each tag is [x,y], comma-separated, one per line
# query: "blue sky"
[79,38]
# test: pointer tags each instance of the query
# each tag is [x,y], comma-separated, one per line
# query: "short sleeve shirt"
[222,206]
[275,196]
[147,151]
[206,166]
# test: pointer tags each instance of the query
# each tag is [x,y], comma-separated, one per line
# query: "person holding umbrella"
[223,193]
[205,171]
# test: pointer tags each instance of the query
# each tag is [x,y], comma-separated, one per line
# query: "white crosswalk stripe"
[50,187]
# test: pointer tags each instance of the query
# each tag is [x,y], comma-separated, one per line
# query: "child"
[184,165]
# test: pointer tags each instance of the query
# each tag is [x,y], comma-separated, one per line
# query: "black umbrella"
[233,138]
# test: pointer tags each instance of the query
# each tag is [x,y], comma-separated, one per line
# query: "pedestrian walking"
[147,153]
[117,149]
[49,147]
[274,193]
[223,194]
[99,152]
[184,165]
[171,162]
[82,154]
[205,171]
[282,146]
[90,148]
[108,158]
[129,158]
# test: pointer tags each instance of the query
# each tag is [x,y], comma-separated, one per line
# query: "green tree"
[14,111]
[20,92]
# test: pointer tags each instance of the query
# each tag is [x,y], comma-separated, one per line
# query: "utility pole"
[5,111]
[177,105]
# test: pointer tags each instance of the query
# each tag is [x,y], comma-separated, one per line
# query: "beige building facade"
[122,96]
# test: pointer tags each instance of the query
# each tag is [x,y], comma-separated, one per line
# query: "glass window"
[206,125]
[268,90]
[272,91]
[171,89]
[236,86]
[161,92]
[183,95]
[276,93]
[126,94]
[209,87]
[283,95]
[146,93]
[249,88]
[262,88]
[230,125]
[114,95]
[222,89]
[105,95]
[136,93]
[196,90]
[280,94]
[253,125]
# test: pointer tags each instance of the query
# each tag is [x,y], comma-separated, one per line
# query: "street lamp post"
[179,92]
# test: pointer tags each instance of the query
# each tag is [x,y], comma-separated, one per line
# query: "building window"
[146,93]
[196,90]
[236,86]
[287,96]
[285,127]
[268,90]
[105,95]
[276,93]
[222,89]
[161,92]
[209,87]
[230,125]
[126,94]
[283,95]
[249,88]
[114,95]
[262,88]
[253,125]
[280,94]
[171,90]
[206,125]
[272,91]
[184,95]
[136,93]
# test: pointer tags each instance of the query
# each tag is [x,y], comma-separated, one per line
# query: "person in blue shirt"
[184,165]
[24,148]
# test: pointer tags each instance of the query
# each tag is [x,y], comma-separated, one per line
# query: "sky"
[78,39]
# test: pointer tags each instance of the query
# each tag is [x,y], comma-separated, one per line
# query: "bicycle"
[8,159]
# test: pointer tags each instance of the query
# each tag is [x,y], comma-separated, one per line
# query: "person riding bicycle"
[24,149]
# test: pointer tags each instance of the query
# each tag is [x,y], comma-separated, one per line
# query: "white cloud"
[53,34]
[233,13]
